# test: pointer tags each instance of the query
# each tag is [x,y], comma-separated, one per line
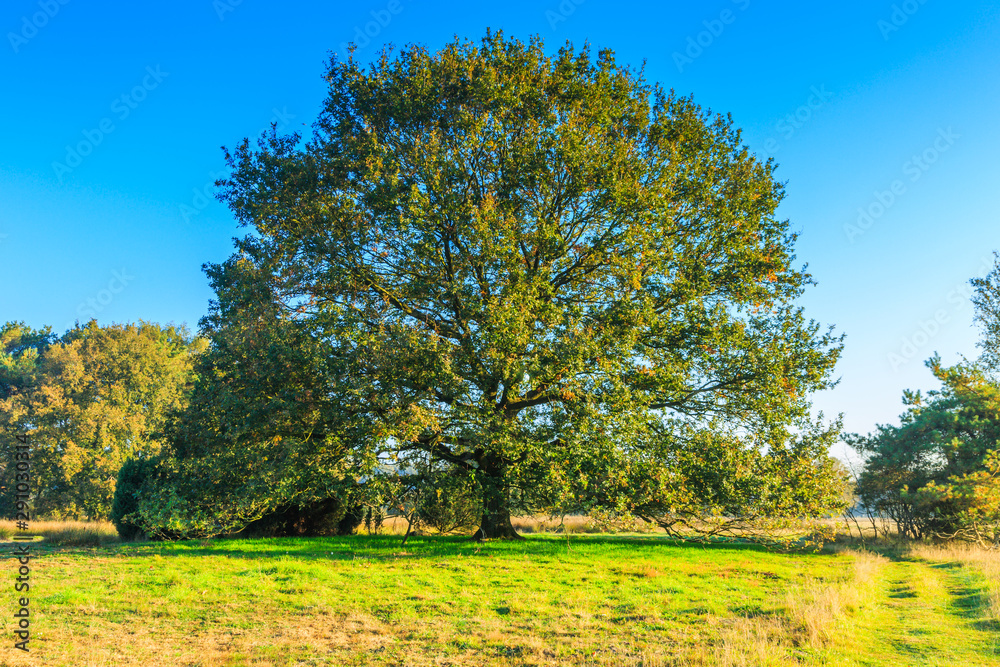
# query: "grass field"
[548,600]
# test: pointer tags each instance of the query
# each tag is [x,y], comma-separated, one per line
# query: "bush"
[450,502]
[131,478]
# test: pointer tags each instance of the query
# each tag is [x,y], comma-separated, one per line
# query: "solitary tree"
[522,264]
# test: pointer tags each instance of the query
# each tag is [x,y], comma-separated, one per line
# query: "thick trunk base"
[495,523]
[503,530]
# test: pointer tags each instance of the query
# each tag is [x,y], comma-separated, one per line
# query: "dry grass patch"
[810,616]
[66,533]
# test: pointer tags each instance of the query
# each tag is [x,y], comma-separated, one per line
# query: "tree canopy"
[523,267]
[89,400]
[265,427]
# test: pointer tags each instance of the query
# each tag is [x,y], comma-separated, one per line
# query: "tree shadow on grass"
[970,603]
[724,544]
[900,592]
[906,648]
[390,548]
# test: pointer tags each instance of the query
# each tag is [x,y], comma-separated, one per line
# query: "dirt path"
[925,614]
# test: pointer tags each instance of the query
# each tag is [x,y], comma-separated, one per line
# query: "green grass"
[928,613]
[591,600]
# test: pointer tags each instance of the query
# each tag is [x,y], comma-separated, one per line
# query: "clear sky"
[883,116]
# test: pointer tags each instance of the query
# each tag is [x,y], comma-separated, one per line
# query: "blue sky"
[882,116]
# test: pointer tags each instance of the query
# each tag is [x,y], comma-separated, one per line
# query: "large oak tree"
[523,264]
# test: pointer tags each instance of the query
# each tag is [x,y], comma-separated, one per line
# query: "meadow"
[551,599]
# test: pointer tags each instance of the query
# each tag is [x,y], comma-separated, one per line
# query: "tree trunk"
[495,522]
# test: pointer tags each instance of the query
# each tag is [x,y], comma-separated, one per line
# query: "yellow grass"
[97,533]
[811,614]
[541,524]
[65,533]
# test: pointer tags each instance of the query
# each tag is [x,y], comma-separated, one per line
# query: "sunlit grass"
[982,562]
[566,599]
[363,600]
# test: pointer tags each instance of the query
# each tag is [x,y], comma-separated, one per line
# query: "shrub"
[131,478]
[450,502]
